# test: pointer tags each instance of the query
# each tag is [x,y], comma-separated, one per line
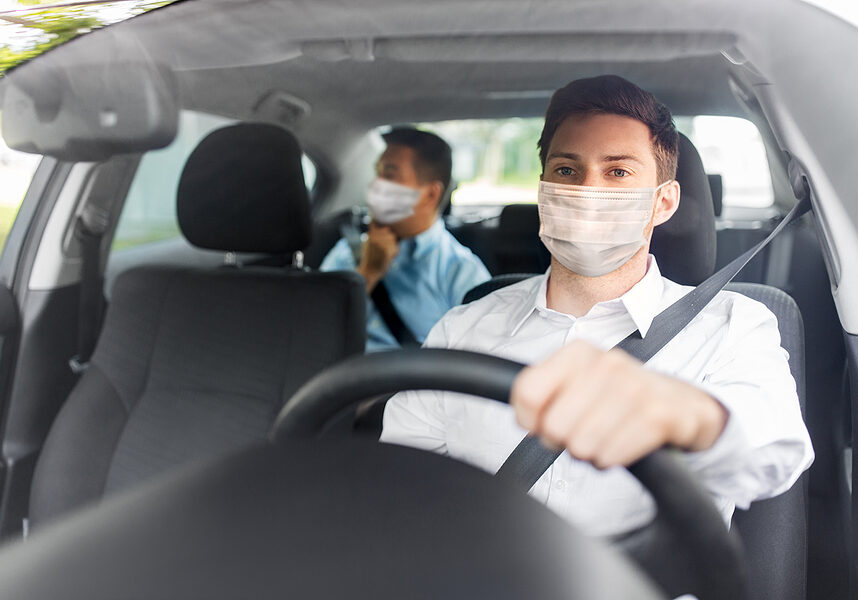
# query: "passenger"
[415,270]
[720,390]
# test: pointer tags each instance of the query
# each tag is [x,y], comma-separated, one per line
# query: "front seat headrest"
[685,245]
[242,190]
[519,218]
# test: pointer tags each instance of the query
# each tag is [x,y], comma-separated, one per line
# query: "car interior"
[177,419]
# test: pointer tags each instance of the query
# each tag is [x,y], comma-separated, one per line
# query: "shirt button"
[560,485]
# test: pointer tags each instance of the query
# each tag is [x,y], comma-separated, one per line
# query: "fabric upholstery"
[516,244]
[190,364]
[716,186]
[685,245]
[774,531]
[242,190]
[195,362]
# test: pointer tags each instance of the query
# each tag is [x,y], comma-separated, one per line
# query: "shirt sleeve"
[765,446]
[417,419]
[339,258]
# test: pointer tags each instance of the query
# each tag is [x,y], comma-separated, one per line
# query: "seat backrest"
[194,362]
[774,531]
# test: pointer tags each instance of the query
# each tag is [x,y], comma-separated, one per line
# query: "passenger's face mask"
[390,202]
[593,230]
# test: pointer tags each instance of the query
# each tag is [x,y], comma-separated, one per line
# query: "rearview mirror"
[89,112]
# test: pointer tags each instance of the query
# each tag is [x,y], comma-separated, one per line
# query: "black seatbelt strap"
[92,224]
[531,459]
[400,331]
[380,296]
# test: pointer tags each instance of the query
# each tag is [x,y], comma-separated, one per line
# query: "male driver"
[721,389]
[412,265]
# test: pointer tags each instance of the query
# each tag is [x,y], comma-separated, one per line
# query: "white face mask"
[594,230]
[390,202]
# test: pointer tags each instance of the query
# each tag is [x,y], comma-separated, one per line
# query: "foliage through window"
[30,27]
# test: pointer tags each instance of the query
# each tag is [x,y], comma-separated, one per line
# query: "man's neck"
[574,294]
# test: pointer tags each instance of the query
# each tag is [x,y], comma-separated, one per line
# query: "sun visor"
[89,111]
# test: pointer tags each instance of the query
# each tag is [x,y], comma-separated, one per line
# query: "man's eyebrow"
[569,155]
[622,157]
[605,159]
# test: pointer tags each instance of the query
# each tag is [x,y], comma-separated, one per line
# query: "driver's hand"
[605,408]
[379,250]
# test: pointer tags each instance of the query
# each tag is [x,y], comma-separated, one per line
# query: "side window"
[495,161]
[732,148]
[16,173]
[149,214]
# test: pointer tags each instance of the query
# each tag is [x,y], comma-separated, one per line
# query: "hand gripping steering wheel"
[686,549]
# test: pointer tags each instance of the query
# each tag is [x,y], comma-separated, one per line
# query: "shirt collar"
[642,301]
[534,301]
[425,242]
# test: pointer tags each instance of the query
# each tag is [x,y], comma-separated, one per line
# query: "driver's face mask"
[594,230]
[390,202]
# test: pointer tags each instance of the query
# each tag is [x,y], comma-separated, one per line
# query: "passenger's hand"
[379,250]
[605,408]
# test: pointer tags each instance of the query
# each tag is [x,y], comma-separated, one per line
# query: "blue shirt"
[430,275]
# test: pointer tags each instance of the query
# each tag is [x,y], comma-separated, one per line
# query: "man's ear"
[432,195]
[666,203]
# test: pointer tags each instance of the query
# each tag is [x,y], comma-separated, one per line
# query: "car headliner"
[349,67]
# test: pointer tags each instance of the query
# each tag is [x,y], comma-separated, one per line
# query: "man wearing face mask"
[721,389]
[415,270]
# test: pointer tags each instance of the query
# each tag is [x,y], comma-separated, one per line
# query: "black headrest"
[716,186]
[685,245]
[243,190]
[519,218]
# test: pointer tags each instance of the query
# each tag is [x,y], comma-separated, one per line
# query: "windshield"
[30,27]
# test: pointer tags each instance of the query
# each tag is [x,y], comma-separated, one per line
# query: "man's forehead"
[396,153]
[606,137]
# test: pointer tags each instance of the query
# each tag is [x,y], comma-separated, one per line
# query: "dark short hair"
[610,94]
[434,159]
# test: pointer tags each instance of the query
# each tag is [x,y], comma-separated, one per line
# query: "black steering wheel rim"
[686,514]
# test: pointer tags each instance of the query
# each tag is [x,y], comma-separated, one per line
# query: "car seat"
[516,245]
[774,531]
[192,362]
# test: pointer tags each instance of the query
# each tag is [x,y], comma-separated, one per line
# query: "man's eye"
[619,172]
[565,171]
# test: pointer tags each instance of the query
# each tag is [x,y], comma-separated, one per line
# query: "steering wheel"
[686,549]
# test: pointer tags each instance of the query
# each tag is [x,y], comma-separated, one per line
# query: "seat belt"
[397,327]
[92,224]
[380,295]
[531,459]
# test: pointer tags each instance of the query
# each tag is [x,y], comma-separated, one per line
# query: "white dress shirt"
[730,350]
